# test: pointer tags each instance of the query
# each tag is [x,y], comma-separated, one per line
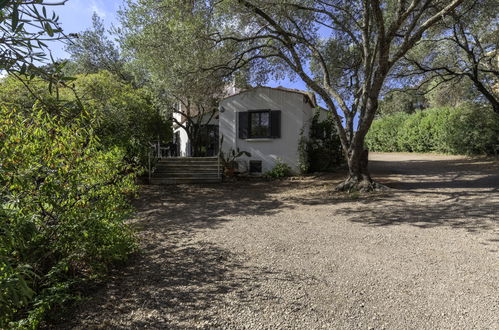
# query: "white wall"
[184,142]
[296,115]
[185,146]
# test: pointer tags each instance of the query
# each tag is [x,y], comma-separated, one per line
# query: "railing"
[156,152]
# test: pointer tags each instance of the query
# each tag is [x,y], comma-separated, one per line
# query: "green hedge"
[63,200]
[464,130]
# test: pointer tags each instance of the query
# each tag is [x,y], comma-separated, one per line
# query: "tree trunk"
[358,175]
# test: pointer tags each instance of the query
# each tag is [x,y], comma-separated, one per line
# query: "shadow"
[181,280]
[453,210]
[177,279]
[460,173]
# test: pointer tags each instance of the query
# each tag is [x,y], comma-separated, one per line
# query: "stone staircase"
[180,170]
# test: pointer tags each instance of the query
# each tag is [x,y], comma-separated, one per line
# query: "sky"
[76,16]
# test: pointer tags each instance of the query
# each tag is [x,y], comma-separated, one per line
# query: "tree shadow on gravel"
[175,281]
[462,194]
[455,211]
[439,174]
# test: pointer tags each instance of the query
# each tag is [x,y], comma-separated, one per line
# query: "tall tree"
[94,51]
[343,50]
[465,49]
[169,39]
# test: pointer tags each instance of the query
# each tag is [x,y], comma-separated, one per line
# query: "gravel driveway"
[294,255]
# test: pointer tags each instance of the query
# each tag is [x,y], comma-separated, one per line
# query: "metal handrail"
[150,157]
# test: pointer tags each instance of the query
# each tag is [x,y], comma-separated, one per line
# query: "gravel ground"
[294,255]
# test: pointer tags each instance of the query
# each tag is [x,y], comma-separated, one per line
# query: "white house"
[266,122]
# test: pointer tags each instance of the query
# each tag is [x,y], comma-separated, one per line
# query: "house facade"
[266,122]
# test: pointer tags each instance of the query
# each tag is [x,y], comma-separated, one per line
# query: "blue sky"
[76,16]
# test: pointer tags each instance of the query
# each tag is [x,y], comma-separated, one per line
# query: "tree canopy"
[343,50]
[26,27]
[93,51]
[463,50]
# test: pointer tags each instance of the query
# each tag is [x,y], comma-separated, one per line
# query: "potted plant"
[228,160]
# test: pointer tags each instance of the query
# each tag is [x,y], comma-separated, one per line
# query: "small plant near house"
[280,170]
[229,159]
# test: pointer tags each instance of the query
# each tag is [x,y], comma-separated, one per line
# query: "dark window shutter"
[243,125]
[275,124]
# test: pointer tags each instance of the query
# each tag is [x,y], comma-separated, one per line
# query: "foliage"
[462,53]
[124,116]
[62,204]
[321,151]
[344,51]
[468,129]
[279,171]
[400,101]
[175,50]
[93,51]
[25,27]
[454,93]
[384,133]
[228,159]
[303,158]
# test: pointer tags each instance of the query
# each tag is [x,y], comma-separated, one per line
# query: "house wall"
[184,142]
[296,115]
[185,145]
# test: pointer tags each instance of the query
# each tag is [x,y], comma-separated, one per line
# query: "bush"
[280,170]
[322,150]
[123,116]
[62,205]
[465,130]
[383,134]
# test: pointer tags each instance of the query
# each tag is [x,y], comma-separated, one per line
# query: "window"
[255,166]
[259,124]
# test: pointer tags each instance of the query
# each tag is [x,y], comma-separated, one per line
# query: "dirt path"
[292,254]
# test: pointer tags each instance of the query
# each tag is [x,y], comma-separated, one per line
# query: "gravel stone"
[293,254]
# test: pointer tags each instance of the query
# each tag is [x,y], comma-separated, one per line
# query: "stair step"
[188,160]
[186,170]
[160,181]
[186,165]
[185,175]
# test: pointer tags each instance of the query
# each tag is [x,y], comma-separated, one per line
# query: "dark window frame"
[254,112]
[255,163]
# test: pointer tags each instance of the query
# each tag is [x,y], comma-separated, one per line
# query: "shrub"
[124,116]
[472,130]
[322,150]
[62,204]
[280,170]
[469,129]
[384,133]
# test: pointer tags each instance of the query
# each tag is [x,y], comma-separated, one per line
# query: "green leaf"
[15,17]
[3,3]
[49,29]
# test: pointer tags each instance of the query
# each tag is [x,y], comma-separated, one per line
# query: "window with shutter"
[243,125]
[260,124]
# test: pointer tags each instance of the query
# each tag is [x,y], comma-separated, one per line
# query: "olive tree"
[168,39]
[26,26]
[343,50]
[463,52]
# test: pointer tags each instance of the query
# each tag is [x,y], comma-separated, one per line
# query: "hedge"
[466,130]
